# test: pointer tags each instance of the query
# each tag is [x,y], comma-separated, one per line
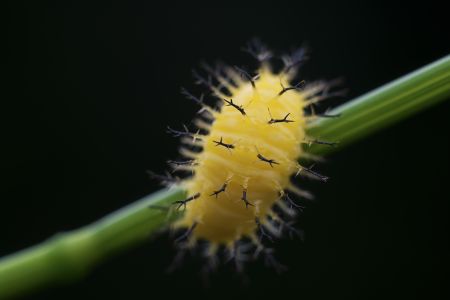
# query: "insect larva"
[251,145]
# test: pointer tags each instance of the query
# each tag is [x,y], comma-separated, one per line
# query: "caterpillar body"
[250,144]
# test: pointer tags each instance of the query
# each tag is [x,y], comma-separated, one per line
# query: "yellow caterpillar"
[251,145]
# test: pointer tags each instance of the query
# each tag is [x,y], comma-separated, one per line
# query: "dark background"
[90,89]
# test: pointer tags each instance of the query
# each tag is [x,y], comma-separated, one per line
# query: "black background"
[90,89]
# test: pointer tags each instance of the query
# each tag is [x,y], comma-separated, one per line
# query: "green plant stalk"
[68,256]
[383,106]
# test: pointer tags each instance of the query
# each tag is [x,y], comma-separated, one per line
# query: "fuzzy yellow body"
[224,218]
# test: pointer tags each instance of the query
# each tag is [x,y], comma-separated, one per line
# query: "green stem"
[384,106]
[68,256]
